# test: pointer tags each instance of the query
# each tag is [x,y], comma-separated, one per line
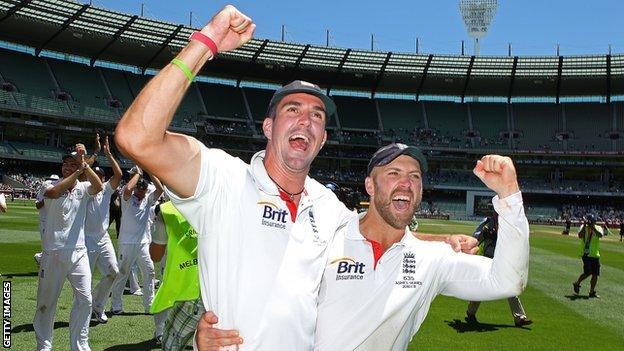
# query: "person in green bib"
[179,290]
[590,235]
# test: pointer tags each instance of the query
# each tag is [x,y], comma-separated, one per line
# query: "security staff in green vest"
[180,287]
[590,235]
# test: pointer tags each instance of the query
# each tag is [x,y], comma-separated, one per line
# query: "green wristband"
[187,71]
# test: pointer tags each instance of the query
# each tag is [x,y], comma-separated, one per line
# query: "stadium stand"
[357,113]
[537,125]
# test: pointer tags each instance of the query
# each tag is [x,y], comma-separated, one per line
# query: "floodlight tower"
[477,15]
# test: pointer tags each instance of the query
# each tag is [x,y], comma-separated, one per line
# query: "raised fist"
[229,29]
[498,173]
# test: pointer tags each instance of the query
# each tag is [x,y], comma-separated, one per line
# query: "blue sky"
[533,27]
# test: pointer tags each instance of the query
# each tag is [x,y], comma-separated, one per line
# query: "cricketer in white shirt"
[366,304]
[380,280]
[260,258]
[134,239]
[100,248]
[65,254]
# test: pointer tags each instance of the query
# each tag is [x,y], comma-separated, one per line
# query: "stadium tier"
[102,94]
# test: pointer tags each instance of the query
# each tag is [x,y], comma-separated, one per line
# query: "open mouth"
[299,142]
[401,202]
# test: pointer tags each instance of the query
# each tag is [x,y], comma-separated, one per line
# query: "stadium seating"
[589,125]
[72,79]
[489,121]
[449,120]
[359,113]
[538,125]
[223,100]
[258,100]
[119,86]
[27,73]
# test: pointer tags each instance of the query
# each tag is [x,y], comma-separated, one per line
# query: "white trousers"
[128,255]
[56,266]
[102,255]
[133,281]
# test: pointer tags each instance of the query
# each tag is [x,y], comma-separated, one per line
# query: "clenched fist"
[498,173]
[229,29]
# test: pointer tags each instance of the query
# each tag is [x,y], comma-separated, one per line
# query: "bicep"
[176,162]
[467,277]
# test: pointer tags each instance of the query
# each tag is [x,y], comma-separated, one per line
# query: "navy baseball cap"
[70,155]
[388,153]
[300,86]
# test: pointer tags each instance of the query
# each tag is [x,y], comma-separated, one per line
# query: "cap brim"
[418,156]
[330,105]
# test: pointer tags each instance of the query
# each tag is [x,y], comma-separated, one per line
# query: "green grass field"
[561,320]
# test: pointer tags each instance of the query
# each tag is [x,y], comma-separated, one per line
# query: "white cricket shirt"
[65,218]
[135,218]
[260,272]
[382,308]
[96,223]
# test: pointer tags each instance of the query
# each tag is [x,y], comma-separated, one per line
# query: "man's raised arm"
[142,132]
[479,278]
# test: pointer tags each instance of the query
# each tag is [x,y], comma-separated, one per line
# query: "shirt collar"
[353,232]
[312,188]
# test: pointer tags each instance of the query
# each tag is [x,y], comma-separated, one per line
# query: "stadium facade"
[69,69]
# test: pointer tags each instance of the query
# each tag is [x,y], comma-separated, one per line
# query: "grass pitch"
[561,319]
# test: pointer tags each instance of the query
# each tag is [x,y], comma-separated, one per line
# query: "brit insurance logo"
[348,269]
[272,215]
[409,269]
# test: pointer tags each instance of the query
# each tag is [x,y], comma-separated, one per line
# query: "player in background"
[487,234]
[134,240]
[65,254]
[99,246]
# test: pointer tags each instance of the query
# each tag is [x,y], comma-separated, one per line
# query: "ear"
[324,139]
[370,186]
[267,127]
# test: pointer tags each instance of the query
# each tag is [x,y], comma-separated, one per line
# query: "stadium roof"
[100,34]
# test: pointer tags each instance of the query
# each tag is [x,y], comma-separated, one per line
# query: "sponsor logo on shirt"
[191,233]
[348,269]
[409,263]
[409,269]
[273,216]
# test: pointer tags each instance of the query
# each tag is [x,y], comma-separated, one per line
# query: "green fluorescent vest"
[181,277]
[594,243]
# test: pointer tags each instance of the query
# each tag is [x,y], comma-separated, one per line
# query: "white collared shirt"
[65,218]
[259,271]
[382,308]
[97,221]
[135,218]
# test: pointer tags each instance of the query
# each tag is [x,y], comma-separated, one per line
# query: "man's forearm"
[57,190]
[94,179]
